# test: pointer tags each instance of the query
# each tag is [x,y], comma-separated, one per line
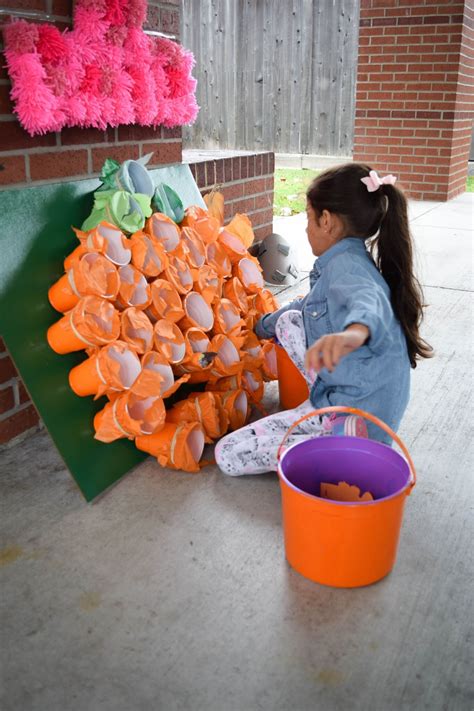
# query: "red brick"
[12,170]
[13,136]
[175,132]
[250,166]
[201,174]
[262,217]
[7,369]
[210,173]
[118,153]
[219,171]
[153,18]
[245,205]
[258,164]
[6,106]
[139,133]
[255,186]
[163,153]
[82,136]
[24,397]
[40,5]
[262,232]
[231,192]
[263,201]
[62,8]
[59,164]
[236,168]
[170,22]
[7,400]
[18,423]
[229,167]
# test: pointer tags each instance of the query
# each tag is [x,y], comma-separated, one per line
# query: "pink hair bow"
[374,182]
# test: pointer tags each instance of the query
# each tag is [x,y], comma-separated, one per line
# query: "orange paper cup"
[92,322]
[162,228]
[179,446]
[114,367]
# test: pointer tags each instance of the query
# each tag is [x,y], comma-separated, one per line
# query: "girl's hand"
[328,350]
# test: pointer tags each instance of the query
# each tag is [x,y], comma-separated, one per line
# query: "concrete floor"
[172,591]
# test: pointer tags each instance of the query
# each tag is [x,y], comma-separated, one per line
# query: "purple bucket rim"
[345,504]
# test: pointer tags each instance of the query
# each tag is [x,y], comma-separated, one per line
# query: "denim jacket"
[346,287]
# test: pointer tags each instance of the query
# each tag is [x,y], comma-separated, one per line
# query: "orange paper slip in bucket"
[292,385]
[114,367]
[343,543]
[175,446]
[92,322]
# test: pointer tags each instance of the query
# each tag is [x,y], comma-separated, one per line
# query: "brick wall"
[77,153]
[245,179]
[414,103]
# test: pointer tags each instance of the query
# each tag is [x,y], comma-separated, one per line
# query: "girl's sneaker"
[345,425]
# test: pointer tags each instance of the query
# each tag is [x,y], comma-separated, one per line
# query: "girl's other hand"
[327,351]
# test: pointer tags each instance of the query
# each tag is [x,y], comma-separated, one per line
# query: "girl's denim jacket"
[346,287]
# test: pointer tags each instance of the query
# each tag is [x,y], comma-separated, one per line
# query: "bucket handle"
[367,416]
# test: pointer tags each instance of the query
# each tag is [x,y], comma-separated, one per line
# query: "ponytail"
[392,250]
[383,213]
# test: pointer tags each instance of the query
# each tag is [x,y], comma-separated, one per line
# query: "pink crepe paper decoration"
[104,72]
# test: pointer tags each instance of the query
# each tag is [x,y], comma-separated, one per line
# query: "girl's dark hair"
[381,215]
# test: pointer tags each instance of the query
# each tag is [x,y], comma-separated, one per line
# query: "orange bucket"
[343,543]
[292,386]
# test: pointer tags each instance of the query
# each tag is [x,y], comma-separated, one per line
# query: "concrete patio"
[172,592]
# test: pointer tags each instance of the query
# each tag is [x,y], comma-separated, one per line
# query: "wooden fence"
[274,74]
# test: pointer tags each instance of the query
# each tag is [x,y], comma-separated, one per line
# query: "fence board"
[274,74]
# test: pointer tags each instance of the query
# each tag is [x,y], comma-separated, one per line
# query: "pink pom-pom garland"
[104,72]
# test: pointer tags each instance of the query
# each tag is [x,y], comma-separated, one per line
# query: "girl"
[359,324]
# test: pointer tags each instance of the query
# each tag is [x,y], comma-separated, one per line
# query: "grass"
[290,190]
[291,185]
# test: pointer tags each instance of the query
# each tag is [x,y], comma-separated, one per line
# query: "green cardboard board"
[35,238]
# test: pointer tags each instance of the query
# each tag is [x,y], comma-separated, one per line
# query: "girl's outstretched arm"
[328,350]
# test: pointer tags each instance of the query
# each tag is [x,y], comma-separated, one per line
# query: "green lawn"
[290,190]
[291,185]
